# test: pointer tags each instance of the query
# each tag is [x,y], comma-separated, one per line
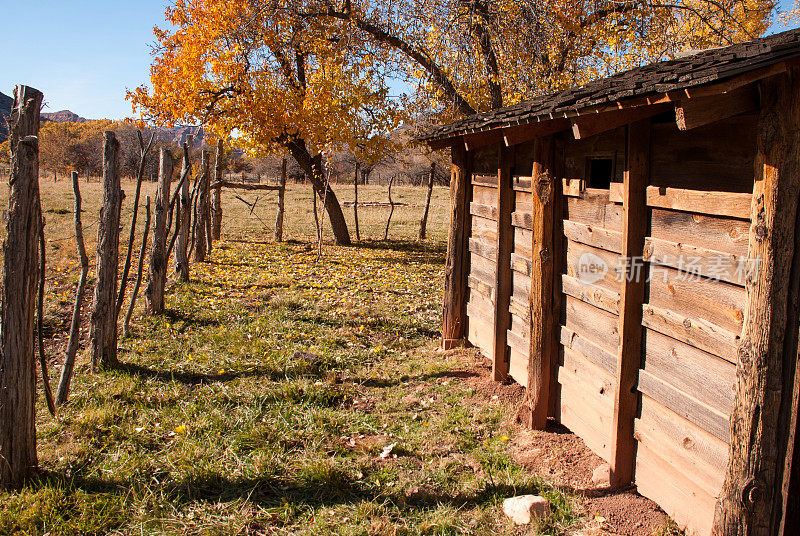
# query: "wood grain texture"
[751,492]
[20,280]
[503,276]
[157,272]
[734,205]
[103,327]
[456,264]
[635,215]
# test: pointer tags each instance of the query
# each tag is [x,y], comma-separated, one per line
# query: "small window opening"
[601,171]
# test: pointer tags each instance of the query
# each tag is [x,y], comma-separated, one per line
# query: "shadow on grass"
[189,319]
[198,378]
[382,383]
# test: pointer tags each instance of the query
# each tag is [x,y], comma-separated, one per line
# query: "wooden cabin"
[627,251]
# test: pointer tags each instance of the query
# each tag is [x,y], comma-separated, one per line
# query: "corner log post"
[546,191]
[750,502]
[629,354]
[20,280]
[502,283]
[103,329]
[157,272]
[456,271]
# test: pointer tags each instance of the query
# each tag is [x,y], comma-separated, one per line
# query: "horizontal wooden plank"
[522,184]
[693,410]
[484,288]
[593,236]
[484,180]
[735,205]
[481,248]
[476,311]
[521,264]
[686,503]
[615,192]
[594,208]
[598,296]
[685,445]
[484,211]
[597,393]
[697,261]
[486,195]
[695,332]
[591,352]
[589,424]
[718,233]
[518,367]
[520,308]
[518,343]
[699,374]
[481,335]
[587,263]
[597,379]
[594,324]
[573,187]
[522,219]
[720,303]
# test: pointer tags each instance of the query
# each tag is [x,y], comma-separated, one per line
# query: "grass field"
[262,401]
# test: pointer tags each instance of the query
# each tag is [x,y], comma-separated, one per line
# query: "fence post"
[157,274]
[201,211]
[103,331]
[184,218]
[216,194]
[20,280]
[281,195]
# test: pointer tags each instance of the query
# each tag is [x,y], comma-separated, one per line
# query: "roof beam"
[693,113]
[482,139]
[530,131]
[592,124]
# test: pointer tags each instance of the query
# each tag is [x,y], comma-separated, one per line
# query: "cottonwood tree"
[283,81]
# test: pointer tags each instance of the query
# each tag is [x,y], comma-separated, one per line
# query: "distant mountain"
[64,116]
[6,103]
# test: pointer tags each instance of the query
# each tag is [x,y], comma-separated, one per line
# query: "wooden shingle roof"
[694,70]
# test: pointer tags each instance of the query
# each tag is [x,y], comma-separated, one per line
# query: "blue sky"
[84,54]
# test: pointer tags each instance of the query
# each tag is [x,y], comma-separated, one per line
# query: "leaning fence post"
[184,217]
[20,280]
[201,211]
[103,332]
[157,274]
[281,195]
[216,194]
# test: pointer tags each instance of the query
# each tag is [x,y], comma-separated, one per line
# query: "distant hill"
[64,116]
[6,103]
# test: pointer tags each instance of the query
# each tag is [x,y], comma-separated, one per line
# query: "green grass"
[261,401]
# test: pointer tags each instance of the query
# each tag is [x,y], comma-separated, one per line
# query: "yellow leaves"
[180,430]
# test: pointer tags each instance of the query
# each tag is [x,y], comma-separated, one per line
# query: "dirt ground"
[562,458]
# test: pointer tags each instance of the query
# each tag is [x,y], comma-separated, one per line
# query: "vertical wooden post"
[201,210]
[544,321]
[281,201]
[629,354]
[103,331]
[502,282]
[423,224]
[216,193]
[20,280]
[750,501]
[456,269]
[184,218]
[157,274]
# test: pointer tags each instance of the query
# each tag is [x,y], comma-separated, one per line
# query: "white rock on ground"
[522,509]
[601,476]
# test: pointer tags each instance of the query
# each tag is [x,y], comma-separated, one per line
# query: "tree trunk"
[355,200]
[74,330]
[184,217]
[750,500]
[312,166]
[201,211]
[20,280]
[423,223]
[103,332]
[216,194]
[281,200]
[157,274]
